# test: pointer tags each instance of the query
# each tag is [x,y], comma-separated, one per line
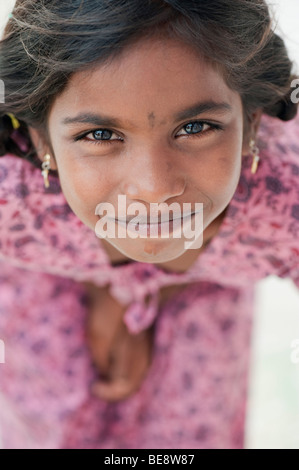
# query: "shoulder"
[278,174]
[265,215]
[29,213]
[279,141]
[274,189]
[19,178]
[21,185]
[38,228]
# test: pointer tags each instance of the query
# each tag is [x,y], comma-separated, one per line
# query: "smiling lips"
[153,220]
[147,227]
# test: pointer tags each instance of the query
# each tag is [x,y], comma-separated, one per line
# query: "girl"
[139,342]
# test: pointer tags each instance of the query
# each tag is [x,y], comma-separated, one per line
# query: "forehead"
[152,75]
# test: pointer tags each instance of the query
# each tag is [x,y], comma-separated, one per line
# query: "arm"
[122,359]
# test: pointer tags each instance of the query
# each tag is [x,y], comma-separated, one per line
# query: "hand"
[121,358]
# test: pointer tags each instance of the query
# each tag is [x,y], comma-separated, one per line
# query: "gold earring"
[46,167]
[14,121]
[255,154]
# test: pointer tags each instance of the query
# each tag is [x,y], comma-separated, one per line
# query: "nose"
[154,175]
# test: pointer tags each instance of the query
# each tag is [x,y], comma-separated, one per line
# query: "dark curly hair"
[46,41]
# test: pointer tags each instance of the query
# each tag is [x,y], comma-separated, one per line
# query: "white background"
[273,409]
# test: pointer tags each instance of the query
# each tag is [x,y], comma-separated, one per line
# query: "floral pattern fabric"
[194,395]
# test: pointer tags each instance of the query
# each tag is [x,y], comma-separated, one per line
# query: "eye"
[198,127]
[100,136]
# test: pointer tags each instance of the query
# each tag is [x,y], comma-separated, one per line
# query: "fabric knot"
[140,315]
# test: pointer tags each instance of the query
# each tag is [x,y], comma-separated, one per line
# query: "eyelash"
[213,128]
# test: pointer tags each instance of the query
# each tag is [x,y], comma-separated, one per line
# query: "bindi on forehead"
[151,119]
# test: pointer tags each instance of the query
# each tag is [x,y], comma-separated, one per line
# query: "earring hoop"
[46,167]
[255,154]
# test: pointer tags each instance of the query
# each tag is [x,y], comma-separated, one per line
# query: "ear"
[255,122]
[42,147]
[251,129]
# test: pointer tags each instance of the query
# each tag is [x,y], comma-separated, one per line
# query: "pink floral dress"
[194,395]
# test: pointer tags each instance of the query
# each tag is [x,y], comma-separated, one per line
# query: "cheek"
[229,161]
[84,185]
[228,174]
[219,178]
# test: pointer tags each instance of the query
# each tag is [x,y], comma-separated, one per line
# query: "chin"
[151,251]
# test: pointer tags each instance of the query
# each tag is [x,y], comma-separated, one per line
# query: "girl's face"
[157,124]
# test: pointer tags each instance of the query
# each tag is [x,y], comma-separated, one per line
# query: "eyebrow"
[200,108]
[90,118]
[188,113]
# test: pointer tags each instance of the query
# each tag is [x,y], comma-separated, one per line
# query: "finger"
[101,356]
[111,357]
[101,334]
[127,370]
[131,360]
[112,391]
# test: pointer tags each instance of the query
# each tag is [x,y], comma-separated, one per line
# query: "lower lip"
[144,230]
